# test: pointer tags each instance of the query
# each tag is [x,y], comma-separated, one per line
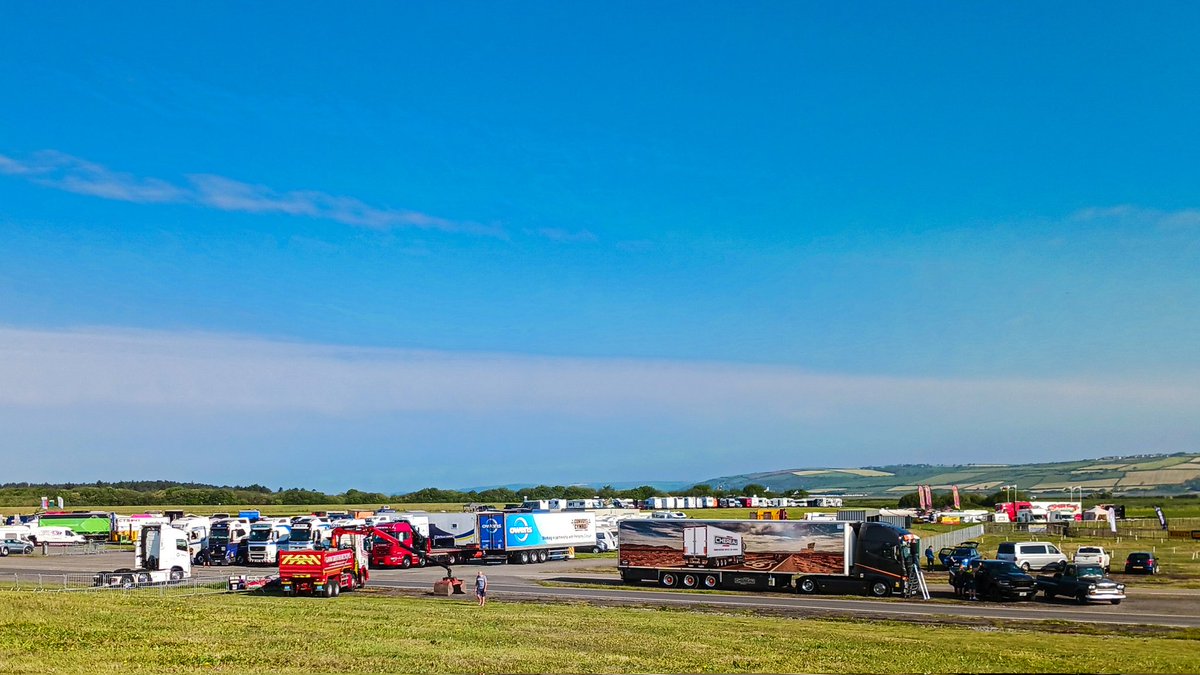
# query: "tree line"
[171,493]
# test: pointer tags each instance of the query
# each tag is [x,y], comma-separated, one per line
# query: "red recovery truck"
[330,571]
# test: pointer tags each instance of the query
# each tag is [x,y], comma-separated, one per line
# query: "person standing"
[481,586]
[929,557]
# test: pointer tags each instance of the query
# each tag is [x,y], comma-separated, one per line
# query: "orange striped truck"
[326,573]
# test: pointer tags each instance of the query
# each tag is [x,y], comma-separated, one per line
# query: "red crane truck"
[330,571]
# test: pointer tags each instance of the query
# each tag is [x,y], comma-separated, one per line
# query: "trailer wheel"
[879,588]
[669,579]
[524,557]
[543,556]
[711,581]
[806,585]
[690,581]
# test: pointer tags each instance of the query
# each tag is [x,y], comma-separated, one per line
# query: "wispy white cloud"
[1138,215]
[204,371]
[564,235]
[65,172]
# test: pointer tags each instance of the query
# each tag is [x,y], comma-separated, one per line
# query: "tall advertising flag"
[921,497]
[1112,519]
[957,504]
[926,495]
[1162,519]
[45,503]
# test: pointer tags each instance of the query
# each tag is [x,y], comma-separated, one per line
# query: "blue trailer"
[534,537]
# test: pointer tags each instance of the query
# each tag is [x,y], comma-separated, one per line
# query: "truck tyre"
[690,581]
[143,578]
[524,557]
[176,574]
[1116,602]
[337,588]
[451,559]
[669,579]
[422,561]
[127,581]
[405,562]
[328,589]
[806,585]
[1025,567]
[1081,598]
[711,581]
[543,556]
[879,588]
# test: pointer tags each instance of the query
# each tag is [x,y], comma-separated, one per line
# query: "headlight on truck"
[1091,587]
[1120,587]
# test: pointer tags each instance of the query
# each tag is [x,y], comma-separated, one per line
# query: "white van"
[18,532]
[1030,554]
[55,535]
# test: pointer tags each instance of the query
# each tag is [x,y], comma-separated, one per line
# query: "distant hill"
[1133,475]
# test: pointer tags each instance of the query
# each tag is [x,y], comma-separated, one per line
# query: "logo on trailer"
[491,524]
[520,529]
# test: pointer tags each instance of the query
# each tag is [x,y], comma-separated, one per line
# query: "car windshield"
[1089,571]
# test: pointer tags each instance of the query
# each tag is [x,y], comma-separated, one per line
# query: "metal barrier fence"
[1077,529]
[953,537]
[90,548]
[84,583]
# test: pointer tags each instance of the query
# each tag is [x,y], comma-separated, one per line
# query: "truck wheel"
[669,580]
[690,581]
[451,559]
[1081,598]
[329,589]
[1116,602]
[806,585]
[543,556]
[143,578]
[405,562]
[176,574]
[711,581]
[524,557]
[421,562]
[880,588]
[337,588]
[127,581]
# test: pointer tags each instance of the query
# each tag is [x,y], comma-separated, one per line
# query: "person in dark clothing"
[929,557]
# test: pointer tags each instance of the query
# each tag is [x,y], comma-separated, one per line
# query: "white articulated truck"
[266,540]
[711,546]
[161,556]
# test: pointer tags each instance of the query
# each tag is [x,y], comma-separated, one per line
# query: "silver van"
[1030,554]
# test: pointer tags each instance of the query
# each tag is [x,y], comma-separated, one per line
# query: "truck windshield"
[1089,571]
[260,535]
[301,534]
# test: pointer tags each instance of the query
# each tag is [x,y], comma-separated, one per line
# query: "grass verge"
[372,632]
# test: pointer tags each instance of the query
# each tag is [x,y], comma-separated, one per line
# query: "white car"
[670,515]
[1093,555]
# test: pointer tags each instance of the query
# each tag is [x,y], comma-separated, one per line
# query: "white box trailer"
[711,546]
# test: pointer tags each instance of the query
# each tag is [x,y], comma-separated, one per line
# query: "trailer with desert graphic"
[805,556]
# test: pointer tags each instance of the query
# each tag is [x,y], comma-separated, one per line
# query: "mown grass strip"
[372,632]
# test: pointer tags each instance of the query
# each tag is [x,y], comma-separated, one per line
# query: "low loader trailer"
[803,556]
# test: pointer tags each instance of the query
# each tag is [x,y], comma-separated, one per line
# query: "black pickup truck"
[993,579]
[1085,583]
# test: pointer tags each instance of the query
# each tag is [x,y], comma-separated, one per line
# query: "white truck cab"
[266,538]
[162,556]
[309,534]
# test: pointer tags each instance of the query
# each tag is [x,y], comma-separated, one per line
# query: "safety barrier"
[85,583]
[952,537]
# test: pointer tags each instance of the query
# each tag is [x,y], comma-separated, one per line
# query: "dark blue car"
[959,555]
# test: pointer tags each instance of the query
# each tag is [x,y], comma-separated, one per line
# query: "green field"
[371,632]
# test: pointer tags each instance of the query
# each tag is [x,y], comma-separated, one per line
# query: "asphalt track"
[1157,607]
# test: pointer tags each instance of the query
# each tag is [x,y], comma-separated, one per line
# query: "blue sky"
[486,244]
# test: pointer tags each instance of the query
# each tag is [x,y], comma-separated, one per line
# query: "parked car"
[670,515]
[1085,583]
[15,546]
[1030,554]
[1093,555]
[994,579]
[959,555]
[1141,562]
